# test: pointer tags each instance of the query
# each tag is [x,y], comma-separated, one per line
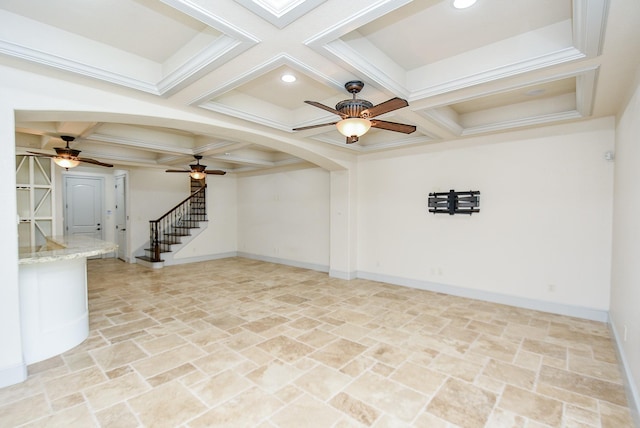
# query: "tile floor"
[243,343]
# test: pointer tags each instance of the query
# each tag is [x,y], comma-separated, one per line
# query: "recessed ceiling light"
[463,4]
[288,78]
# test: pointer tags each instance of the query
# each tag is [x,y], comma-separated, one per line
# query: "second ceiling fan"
[358,114]
[197,171]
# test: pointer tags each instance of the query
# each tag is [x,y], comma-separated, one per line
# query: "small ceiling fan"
[358,114]
[66,157]
[198,172]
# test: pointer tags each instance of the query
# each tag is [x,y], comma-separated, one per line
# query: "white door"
[83,206]
[121,217]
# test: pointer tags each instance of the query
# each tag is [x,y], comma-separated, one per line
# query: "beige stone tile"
[48,364]
[24,410]
[457,367]
[77,416]
[486,327]
[171,374]
[511,374]
[545,348]
[596,388]
[569,397]
[356,409]
[581,415]
[116,390]
[120,354]
[245,410]
[74,382]
[322,382]
[273,376]
[494,347]
[67,401]
[388,354]
[285,348]
[78,361]
[501,418]
[128,328]
[168,405]
[306,411]
[242,340]
[288,394]
[207,337]
[220,388]
[418,377]
[266,323]
[531,405]
[351,331]
[358,365]
[595,368]
[613,416]
[316,338]
[167,360]
[471,412]
[528,360]
[161,344]
[397,400]
[338,353]
[31,386]
[117,416]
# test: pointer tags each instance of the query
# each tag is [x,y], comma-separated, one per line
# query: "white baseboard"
[340,274]
[208,257]
[294,263]
[633,396]
[13,374]
[521,302]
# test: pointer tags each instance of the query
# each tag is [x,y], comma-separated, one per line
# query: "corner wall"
[625,273]
[284,218]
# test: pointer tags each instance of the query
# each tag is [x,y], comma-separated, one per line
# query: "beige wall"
[543,232]
[285,217]
[625,273]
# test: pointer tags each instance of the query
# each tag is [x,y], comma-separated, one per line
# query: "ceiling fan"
[358,114]
[66,157]
[198,172]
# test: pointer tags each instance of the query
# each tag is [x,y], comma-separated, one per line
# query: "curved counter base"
[53,308]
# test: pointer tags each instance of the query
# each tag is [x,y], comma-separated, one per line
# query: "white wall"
[284,217]
[543,232]
[625,277]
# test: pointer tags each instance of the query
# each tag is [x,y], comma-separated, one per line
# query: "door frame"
[125,176]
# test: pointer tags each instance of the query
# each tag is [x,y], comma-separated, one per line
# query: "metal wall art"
[453,202]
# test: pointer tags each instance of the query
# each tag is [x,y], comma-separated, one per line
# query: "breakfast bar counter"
[54,312]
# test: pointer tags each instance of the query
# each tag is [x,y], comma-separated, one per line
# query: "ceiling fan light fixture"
[353,126]
[197,175]
[66,162]
[463,4]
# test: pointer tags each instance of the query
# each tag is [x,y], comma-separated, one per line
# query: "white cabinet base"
[53,307]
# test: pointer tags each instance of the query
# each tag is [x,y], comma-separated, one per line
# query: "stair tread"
[148,259]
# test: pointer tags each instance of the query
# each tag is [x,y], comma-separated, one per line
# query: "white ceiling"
[499,65]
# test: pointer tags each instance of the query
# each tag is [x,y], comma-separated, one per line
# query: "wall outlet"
[624,333]
[551,288]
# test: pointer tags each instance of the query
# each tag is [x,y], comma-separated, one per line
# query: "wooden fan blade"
[313,126]
[94,162]
[42,154]
[393,126]
[177,170]
[385,107]
[327,108]
[215,172]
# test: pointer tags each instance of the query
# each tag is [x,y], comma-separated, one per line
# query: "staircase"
[174,229]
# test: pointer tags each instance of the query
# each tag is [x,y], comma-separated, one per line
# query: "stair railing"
[185,215]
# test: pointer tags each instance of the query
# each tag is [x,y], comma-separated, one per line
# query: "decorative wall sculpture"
[453,202]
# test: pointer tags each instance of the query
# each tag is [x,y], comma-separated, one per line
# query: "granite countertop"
[65,248]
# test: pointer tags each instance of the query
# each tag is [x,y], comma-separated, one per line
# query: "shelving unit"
[35,199]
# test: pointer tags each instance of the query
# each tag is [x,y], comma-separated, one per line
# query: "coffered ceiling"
[498,65]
